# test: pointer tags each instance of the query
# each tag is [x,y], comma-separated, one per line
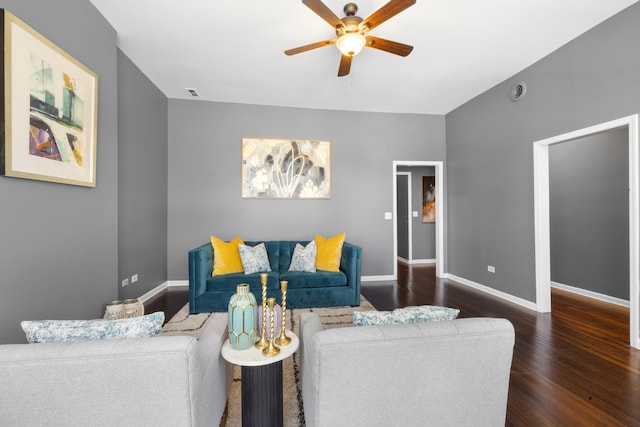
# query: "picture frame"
[286,168]
[428,199]
[49,119]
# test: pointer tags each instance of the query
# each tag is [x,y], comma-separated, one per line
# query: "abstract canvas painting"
[286,168]
[428,199]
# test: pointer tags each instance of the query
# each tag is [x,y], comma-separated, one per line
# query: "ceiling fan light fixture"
[351,44]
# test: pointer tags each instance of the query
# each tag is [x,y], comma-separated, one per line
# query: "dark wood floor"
[571,367]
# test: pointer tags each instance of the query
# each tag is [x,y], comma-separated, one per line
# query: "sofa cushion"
[424,313]
[254,258]
[319,279]
[226,256]
[38,331]
[329,252]
[230,282]
[304,258]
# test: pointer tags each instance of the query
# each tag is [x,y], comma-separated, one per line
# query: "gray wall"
[593,79]
[204,176]
[142,180]
[423,234]
[58,251]
[589,212]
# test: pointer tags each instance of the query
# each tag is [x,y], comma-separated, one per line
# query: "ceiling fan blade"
[345,65]
[386,12]
[323,12]
[310,46]
[389,46]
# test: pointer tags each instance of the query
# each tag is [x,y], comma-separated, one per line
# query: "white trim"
[416,261]
[541,217]
[440,218]
[178,283]
[591,294]
[423,261]
[376,278]
[161,287]
[634,233]
[153,292]
[496,293]
[542,234]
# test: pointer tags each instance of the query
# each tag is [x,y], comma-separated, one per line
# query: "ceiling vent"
[517,91]
[192,92]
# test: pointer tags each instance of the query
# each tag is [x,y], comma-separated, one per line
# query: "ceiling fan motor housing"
[350,9]
[351,25]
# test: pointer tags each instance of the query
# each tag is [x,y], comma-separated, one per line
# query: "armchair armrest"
[350,265]
[310,324]
[200,268]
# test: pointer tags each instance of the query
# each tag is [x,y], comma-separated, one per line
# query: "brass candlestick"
[283,339]
[271,349]
[262,343]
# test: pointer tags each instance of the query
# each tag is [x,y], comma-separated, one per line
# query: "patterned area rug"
[184,323]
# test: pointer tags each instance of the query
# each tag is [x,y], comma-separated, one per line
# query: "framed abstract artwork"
[428,199]
[286,168]
[49,118]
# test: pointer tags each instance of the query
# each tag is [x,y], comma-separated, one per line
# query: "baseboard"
[161,287]
[178,283]
[502,295]
[376,278]
[416,261]
[153,292]
[591,294]
[423,261]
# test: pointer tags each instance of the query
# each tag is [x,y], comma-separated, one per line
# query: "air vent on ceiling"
[517,91]
[192,92]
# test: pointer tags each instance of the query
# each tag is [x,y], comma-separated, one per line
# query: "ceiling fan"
[352,31]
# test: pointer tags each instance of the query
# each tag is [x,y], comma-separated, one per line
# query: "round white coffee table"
[261,382]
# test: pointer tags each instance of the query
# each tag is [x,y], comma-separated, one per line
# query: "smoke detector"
[517,91]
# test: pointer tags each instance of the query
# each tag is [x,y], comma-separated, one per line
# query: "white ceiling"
[232,50]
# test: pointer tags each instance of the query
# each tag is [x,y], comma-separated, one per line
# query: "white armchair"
[444,373]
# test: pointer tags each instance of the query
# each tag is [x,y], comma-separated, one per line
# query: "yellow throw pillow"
[226,256]
[328,252]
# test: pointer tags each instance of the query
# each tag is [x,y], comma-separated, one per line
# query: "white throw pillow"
[423,313]
[304,258]
[38,331]
[254,258]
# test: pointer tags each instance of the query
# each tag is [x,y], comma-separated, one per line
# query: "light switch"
[387,215]
[414,214]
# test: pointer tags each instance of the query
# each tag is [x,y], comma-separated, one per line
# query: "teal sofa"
[209,293]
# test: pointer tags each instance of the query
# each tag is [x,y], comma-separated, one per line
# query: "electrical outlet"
[491,269]
[134,278]
[125,282]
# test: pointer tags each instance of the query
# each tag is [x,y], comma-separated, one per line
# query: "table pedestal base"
[262,395]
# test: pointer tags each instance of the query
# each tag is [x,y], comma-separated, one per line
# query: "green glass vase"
[242,318]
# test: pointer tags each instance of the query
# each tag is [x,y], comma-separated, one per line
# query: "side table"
[261,382]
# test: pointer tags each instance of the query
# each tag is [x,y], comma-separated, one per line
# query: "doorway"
[440,218]
[403,220]
[542,217]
